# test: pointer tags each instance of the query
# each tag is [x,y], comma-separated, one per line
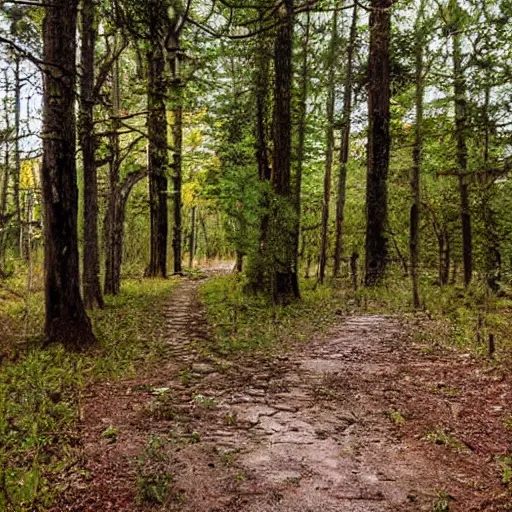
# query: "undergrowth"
[40,388]
[252,322]
[450,315]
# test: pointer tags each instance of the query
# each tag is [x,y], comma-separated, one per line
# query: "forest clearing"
[255,255]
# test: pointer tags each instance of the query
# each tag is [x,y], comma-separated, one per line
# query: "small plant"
[195,437]
[507,423]
[227,456]
[230,419]
[506,469]
[441,437]
[442,503]
[208,402]
[153,488]
[396,417]
[186,376]
[442,389]
[110,433]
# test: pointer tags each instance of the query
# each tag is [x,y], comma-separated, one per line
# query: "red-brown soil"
[361,418]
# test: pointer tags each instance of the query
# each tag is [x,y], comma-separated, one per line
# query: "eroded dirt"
[360,419]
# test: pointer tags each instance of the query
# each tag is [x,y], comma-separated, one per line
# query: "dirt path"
[358,419]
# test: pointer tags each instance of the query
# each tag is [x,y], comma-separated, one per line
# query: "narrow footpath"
[360,419]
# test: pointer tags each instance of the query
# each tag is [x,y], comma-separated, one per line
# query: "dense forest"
[321,158]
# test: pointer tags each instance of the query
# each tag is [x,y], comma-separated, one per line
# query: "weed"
[441,437]
[293,481]
[186,376]
[153,488]
[396,417]
[227,457]
[195,437]
[161,410]
[208,402]
[442,389]
[230,418]
[442,502]
[507,423]
[110,433]
[505,463]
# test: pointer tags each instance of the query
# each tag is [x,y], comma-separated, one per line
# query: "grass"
[441,437]
[40,388]
[457,317]
[251,323]
[396,417]
[505,463]
[442,502]
[450,316]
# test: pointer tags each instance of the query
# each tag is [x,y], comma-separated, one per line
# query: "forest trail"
[359,419]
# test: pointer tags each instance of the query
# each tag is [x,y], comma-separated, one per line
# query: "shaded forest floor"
[359,416]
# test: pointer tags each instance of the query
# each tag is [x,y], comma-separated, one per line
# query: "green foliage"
[253,323]
[441,437]
[442,502]
[505,463]
[452,315]
[40,392]
[396,417]
[153,488]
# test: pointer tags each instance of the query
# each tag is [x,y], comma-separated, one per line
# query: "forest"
[255,255]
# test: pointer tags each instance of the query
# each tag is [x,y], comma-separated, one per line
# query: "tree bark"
[192,238]
[301,133]
[329,152]
[285,286]
[489,214]
[4,216]
[417,155]
[113,243]
[378,142]
[17,155]
[259,277]
[91,258]
[158,161]
[459,88]
[345,146]
[177,85]
[116,242]
[66,319]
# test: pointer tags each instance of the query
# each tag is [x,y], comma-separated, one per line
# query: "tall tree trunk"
[192,238]
[329,152]
[301,132]
[459,87]
[259,276]
[113,244]
[66,319]
[91,257]
[444,257]
[285,286]
[345,145]
[489,215]
[4,218]
[4,193]
[158,160]
[17,154]
[417,154]
[177,85]
[378,142]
